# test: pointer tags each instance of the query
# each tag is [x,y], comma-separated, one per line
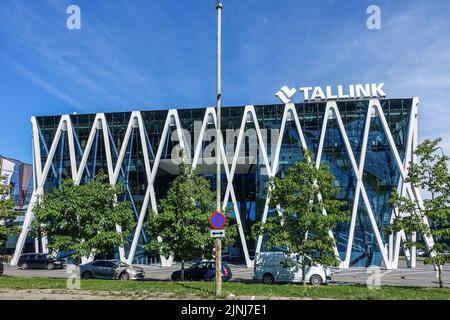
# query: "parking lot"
[422,275]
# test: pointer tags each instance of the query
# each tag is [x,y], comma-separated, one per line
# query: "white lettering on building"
[352,91]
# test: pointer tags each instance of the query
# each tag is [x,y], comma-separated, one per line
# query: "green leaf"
[302,227]
[183,216]
[83,218]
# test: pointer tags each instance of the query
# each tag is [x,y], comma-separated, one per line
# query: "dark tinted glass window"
[99,264]
[110,264]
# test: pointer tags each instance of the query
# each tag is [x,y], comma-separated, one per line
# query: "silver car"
[110,269]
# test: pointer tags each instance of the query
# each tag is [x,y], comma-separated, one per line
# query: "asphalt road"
[422,275]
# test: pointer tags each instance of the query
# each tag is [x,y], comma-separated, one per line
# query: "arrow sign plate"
[217,233]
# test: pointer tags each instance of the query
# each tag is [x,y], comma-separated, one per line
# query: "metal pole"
[218,144]
[218,267]
[219,96]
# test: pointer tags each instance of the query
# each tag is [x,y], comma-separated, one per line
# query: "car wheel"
[87,275]
[24,266]
[316,280]
[50,266]
[124,276]
[268,279]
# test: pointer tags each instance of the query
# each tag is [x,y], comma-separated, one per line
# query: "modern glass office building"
[366,143]
[20,176]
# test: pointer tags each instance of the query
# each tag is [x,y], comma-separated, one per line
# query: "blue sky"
[149,54]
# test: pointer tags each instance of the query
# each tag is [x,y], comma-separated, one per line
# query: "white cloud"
[39,81]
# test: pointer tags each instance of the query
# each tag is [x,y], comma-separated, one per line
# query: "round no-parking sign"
[217,220]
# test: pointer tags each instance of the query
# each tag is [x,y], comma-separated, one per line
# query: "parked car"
[68,258]
[445,253]
[205,270]
[39,261]
[421,253]
[270,268]
[110,269]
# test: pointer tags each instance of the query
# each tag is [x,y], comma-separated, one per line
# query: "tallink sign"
[353,91]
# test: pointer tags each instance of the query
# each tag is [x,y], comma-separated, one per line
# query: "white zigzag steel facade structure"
[364,207]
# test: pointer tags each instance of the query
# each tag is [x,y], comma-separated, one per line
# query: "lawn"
[206,289]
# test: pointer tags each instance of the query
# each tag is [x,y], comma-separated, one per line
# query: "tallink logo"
[285,94]
[352,91]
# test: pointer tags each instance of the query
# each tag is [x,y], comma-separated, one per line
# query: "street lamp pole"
[218,145]
[219,98]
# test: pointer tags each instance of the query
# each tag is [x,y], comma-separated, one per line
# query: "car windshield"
[122,264]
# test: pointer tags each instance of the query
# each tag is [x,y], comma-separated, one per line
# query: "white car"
[421,253]
[269,268]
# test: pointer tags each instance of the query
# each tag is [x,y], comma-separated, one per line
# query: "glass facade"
[250,179]
[21,191]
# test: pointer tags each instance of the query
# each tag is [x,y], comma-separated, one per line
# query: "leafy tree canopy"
[83,218]
[431,174]
[183,218]
[301,198]
[7,214]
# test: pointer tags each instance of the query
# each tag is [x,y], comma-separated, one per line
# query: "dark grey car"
[110,269]
[39,261]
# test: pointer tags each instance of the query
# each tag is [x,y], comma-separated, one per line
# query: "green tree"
[183,219]
[430,174]
[301,227]
[83,218]
[7,214]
